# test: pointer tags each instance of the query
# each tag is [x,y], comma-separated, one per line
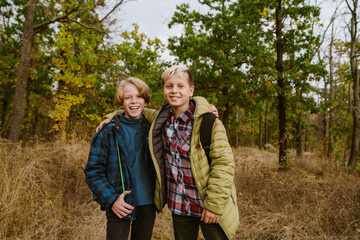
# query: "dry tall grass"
[43,195]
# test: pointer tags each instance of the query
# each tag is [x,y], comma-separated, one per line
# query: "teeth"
[133,108]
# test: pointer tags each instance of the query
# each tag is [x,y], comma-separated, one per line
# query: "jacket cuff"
[111,201]
[213,208]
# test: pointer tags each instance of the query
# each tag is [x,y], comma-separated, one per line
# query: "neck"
[179,110]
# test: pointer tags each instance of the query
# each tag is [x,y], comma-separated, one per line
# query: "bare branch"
[86,26]
[57,19]
[112,10]
[43,10]
[327,28]
[348,4]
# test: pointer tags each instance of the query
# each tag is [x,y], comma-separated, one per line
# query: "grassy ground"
[43,195]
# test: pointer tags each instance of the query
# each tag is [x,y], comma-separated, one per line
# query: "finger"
[206,219]
[118,214]
[97,129]
[202,215]
[127,206]
[125,211]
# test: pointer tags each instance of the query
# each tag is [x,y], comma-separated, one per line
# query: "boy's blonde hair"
[177,70]
[141,86]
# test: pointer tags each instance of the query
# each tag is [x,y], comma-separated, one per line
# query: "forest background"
[279,74]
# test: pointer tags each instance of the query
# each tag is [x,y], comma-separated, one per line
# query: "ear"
[192,88]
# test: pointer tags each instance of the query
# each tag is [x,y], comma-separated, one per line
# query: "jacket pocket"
[114,181]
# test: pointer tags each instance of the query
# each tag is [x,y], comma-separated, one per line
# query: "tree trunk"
[324,118]
[23,70]
[27,120]
[281,85]
[349,98]
[332,93]
[260,132]
[299,140]
[3,116]
[237,130]
[354,154]
[306,135]
[226,114]
[266,127]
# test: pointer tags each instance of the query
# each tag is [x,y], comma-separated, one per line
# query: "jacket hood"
[202,106]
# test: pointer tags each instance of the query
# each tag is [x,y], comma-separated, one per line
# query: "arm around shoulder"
[113,114]
[150,114]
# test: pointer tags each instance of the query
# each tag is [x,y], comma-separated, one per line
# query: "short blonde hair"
[141,86]
[177,70]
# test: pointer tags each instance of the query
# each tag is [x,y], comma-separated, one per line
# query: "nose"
[174,89]
[134,99]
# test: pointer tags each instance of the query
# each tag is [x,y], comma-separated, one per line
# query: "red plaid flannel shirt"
[183,196]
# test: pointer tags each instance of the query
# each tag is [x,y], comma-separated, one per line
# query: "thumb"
[124,194]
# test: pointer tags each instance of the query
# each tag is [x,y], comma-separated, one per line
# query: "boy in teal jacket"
[120,171]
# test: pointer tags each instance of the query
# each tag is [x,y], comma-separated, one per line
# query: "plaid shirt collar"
[187,115]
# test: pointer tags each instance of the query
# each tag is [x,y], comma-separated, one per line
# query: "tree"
[354,154]
[23,70]
[295,44]
[220,46]
[88,71]
[9,57]
[69,15]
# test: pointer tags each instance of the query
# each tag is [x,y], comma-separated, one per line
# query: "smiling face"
[133,103]
[177,92]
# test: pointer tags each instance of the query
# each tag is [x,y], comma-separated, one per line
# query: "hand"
[120,207]
[214,110]
[106,121]
[209,217]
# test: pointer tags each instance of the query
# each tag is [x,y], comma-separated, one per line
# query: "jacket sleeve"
[150,114]
[222,168]
[113,114]
[95,171]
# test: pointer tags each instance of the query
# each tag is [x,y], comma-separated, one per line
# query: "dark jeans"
[141,228]
[187,228]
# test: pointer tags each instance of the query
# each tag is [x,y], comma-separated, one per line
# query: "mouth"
[134,108]
[173,97]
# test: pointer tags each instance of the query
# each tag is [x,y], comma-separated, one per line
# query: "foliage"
[221,45]
[229,45]
[74,68]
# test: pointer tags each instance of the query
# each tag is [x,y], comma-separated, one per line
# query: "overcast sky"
[152,16]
